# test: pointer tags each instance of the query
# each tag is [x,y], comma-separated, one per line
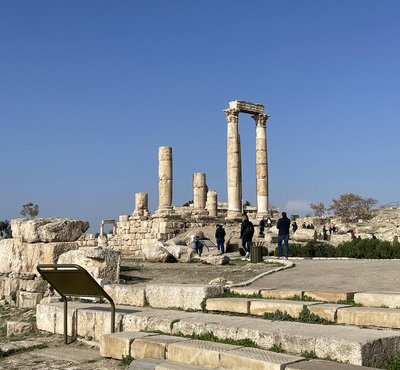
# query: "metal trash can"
[256,252]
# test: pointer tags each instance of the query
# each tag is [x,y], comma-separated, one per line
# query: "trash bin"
[256,252]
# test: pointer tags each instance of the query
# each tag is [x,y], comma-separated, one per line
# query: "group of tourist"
[247,234]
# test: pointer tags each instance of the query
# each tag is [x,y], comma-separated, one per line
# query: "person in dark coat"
[294,226]
[246,234]
[283,226]
[220,237]
[262,226]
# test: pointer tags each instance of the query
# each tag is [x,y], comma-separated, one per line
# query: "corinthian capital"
[232,115]
[261,119]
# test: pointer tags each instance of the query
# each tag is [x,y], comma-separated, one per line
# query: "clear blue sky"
[90,89]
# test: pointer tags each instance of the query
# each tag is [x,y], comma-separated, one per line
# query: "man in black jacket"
[283,225]
[220,237]
[246,234]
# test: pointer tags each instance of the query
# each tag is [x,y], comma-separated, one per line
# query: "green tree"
[351,206]
[31,210]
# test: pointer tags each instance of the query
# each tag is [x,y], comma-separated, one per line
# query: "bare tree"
[31,210]
[351,206]
[319,209]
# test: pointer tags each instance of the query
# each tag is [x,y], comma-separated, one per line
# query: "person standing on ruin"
[283,226]
[262,226]
[294,226]
[246,234]
[220,237]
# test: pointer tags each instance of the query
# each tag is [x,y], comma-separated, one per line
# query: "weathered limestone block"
[48,229]
[246,291]
[221,259]
[336,239]
[99,262]
[162,321]
[18,327]
[304,235]
[293,308]
[378,299]
[238,305]
[118,345]
[130,295]
[198,352]
[19,257]
[325,365]
[157,253]
[180,295]
[38,285]
[333,296]
[28,299]
[154,346]
[371,316]
[326,311]
[9,286]
[182,253]
[254,358]
[280,294]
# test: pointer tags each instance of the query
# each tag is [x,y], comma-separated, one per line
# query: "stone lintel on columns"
[246,107]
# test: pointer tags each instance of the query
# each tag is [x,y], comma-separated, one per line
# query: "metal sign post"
[74,281]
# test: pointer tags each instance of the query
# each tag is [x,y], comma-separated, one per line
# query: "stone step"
[186,354]
[342,343]
[324,296]
[257,306]
[378,299]
[369,316]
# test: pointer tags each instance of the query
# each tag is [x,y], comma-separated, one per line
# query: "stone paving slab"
[237,305]
[170,365]
[370,316]
[11,347]
[325,365]
[378,299]
[293,308]
[147,364]
[154,346]
[254,358]
[198,352]
[329,296]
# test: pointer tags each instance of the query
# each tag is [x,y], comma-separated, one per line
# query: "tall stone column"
[141,204]
[199,192]
[234,168]
[261,165]
[212,203]
[164,178]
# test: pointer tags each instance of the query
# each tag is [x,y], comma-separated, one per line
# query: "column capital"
[261,119]
[232,115]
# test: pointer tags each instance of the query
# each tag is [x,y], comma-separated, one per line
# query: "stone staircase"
[169,330]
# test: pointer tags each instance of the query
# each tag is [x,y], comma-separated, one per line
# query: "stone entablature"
[246,107]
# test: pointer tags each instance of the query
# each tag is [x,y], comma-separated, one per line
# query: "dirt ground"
[135,271]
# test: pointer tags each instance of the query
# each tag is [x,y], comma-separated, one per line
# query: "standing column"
[234,168]
[261,165]
[199,192]
[164,177]
[141,204]
[212,203]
